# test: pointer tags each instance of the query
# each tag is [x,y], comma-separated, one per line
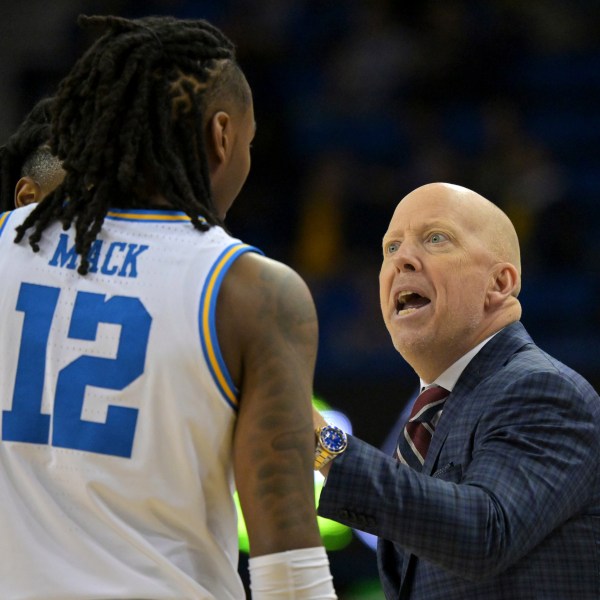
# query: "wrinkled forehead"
[418,211]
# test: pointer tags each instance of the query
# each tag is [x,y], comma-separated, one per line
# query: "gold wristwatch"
[331,442]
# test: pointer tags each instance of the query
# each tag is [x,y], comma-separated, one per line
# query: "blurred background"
[357,103]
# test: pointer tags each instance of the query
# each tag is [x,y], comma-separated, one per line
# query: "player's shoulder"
[10,219]
[265,273]
[264,308]
[267,286]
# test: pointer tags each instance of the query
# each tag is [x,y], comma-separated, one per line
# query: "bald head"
[450,275]
[491,224]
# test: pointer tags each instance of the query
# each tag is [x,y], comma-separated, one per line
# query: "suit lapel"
[488,360]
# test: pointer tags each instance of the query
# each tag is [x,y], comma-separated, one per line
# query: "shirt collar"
[450,376]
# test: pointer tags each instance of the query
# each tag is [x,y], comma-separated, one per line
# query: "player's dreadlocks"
[18,151]
[129,119]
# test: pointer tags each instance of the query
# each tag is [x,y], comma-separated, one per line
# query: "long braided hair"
[33,133]
[128,121]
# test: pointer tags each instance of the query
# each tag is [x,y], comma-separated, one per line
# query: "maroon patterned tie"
[414,439]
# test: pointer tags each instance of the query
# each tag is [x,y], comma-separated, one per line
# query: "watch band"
[322,457]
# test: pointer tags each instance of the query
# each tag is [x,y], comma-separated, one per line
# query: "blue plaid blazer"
[508,503]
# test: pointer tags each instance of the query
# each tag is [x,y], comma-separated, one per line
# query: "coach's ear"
[27,191]
[505,283]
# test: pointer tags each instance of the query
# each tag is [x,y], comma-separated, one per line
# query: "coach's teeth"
[409,300]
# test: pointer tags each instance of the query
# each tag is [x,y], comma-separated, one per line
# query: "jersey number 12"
[25,422]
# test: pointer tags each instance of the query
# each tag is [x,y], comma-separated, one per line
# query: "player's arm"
[268,333]
[267,329]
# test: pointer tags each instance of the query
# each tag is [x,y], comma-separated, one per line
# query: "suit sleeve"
[524,466]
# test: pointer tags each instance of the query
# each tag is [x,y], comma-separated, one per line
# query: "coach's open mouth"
[410,301]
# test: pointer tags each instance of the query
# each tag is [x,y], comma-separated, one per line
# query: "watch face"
[333,439]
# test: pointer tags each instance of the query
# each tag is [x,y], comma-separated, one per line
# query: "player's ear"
[27,191]
[218,137]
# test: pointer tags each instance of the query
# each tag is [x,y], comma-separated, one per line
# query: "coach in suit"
[499,497]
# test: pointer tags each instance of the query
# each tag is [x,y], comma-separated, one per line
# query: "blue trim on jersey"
[4,217]
[207,323]
[149,215]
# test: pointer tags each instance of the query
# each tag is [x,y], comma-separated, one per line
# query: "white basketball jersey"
[116,414]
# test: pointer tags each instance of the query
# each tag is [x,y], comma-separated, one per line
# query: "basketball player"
[158,359]
[28,169]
